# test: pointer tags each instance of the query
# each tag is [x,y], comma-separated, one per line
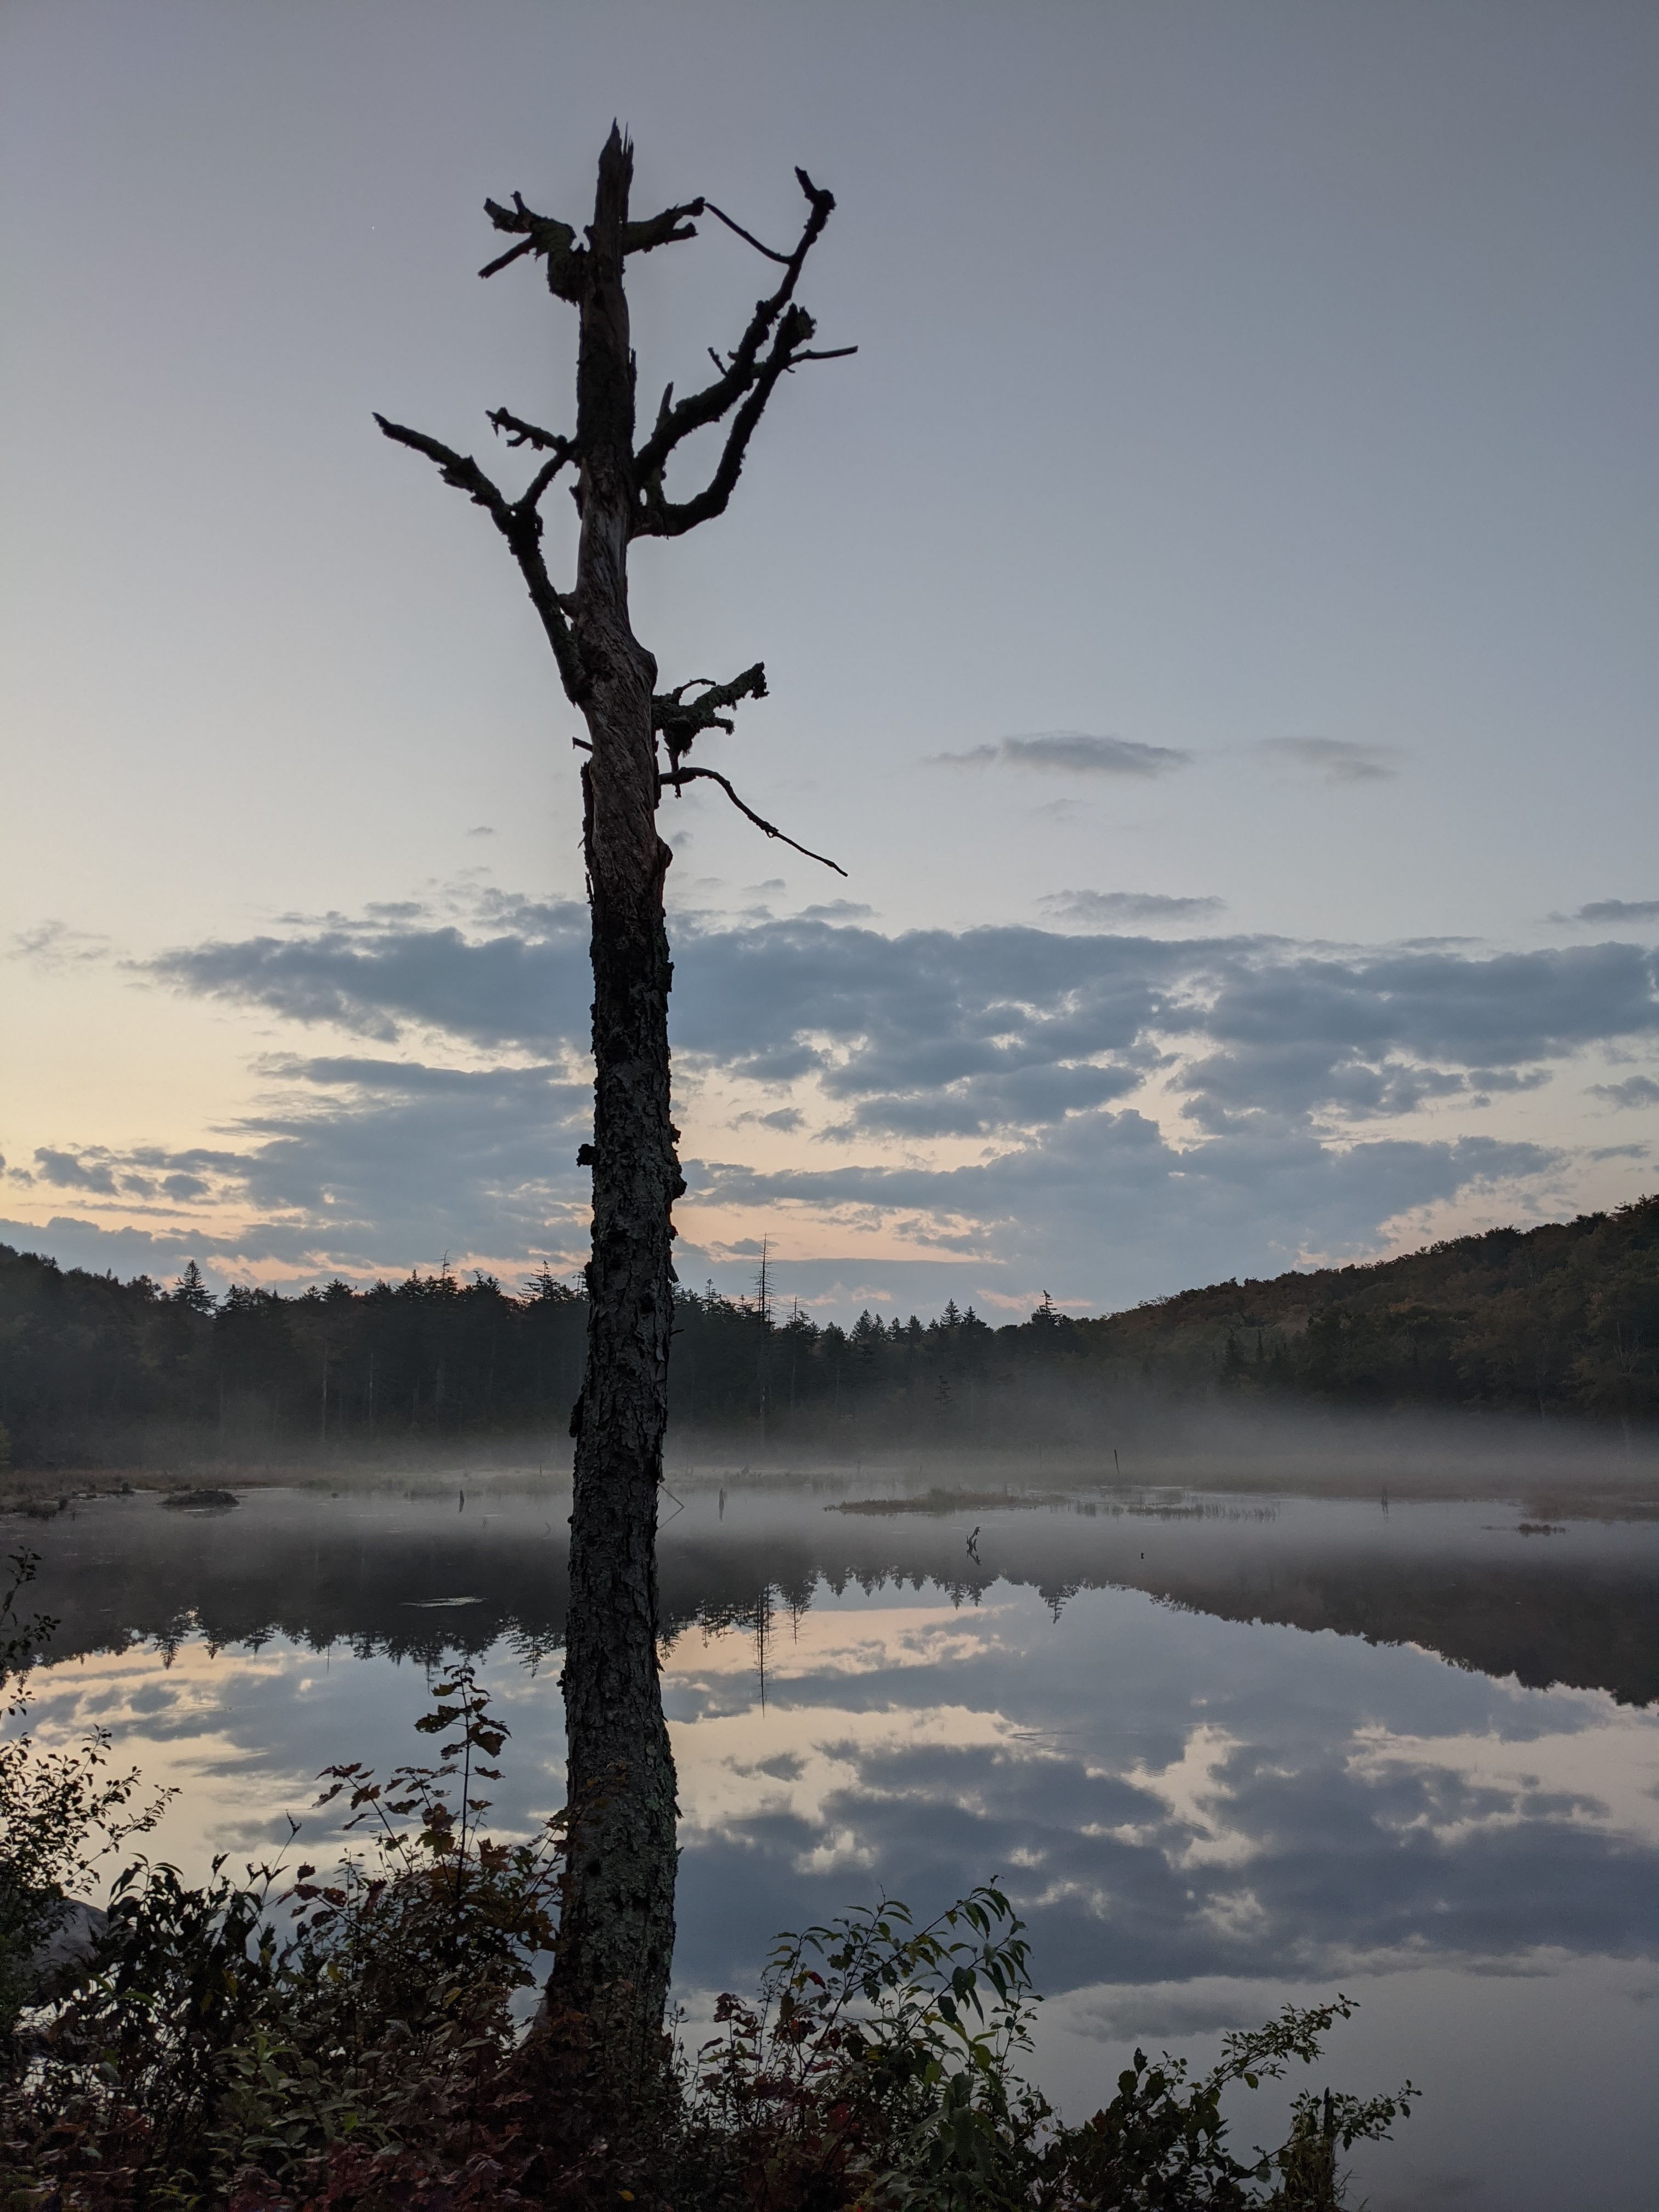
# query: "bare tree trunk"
[616,1931]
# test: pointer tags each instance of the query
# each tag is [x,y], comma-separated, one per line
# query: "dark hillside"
[1563,1318]
[1560,1321]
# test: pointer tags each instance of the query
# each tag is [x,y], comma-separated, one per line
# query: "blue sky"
[1210,619]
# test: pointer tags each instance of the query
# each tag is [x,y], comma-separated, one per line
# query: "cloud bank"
[1333,760]
[1118,909]
[1110,1115]
[1619,910]
[1071,752]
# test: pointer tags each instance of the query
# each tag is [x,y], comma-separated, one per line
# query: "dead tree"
[615,1940]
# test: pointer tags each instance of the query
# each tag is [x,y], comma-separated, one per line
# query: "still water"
[1223,1751]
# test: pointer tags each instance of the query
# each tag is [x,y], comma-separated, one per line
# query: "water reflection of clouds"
[1125,1768]
[742,1775]
[1200,1819]
[1168,1794]
[184,1725]
[1194,1795]
[1199,1815]
[1603,1776]
[833,1638]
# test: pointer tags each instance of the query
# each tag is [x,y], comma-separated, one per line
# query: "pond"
[1224,1750]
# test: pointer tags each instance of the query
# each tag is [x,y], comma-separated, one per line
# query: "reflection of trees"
[1583,1610]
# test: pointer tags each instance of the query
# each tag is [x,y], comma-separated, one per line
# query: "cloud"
[1071,752]
[1259,1025]
[1105,1201]
[1634,1090]
[365,1166]
[392,1158]
[1516,1006]
[53,945]
[1112,910]
[89,1170]
[1333,760]
[400,967]
[787,1120]
[450,1115]
[1509,1079]
[1379,1033]
[76,1243]
[1616,910]
[1019,1097]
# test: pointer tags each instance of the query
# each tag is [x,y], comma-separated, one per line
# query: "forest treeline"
[1559,1319]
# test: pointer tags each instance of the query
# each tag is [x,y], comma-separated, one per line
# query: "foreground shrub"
[880,2067]
[61,1815]
[231,2040]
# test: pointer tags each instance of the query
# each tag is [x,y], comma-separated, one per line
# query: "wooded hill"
[1561,1320]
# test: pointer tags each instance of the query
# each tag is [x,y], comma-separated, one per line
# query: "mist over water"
[1226,1744]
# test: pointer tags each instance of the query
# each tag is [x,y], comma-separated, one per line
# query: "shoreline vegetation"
[1555,1327]
[360,2038]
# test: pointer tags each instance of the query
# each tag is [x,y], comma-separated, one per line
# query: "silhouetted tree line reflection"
[413,1578]
[1563,1319]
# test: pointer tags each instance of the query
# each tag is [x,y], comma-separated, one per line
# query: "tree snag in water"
[616,1936]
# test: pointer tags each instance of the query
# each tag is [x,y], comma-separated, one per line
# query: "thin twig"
[711,209]
[713,776]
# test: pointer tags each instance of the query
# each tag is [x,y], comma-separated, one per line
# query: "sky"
[1210,620]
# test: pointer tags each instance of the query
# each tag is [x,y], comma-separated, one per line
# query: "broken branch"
[518,432]
[542,234]
[717,399]
[679,720]
[667,228]
[531,496]
[458,469]
[521,524]
[656,517]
